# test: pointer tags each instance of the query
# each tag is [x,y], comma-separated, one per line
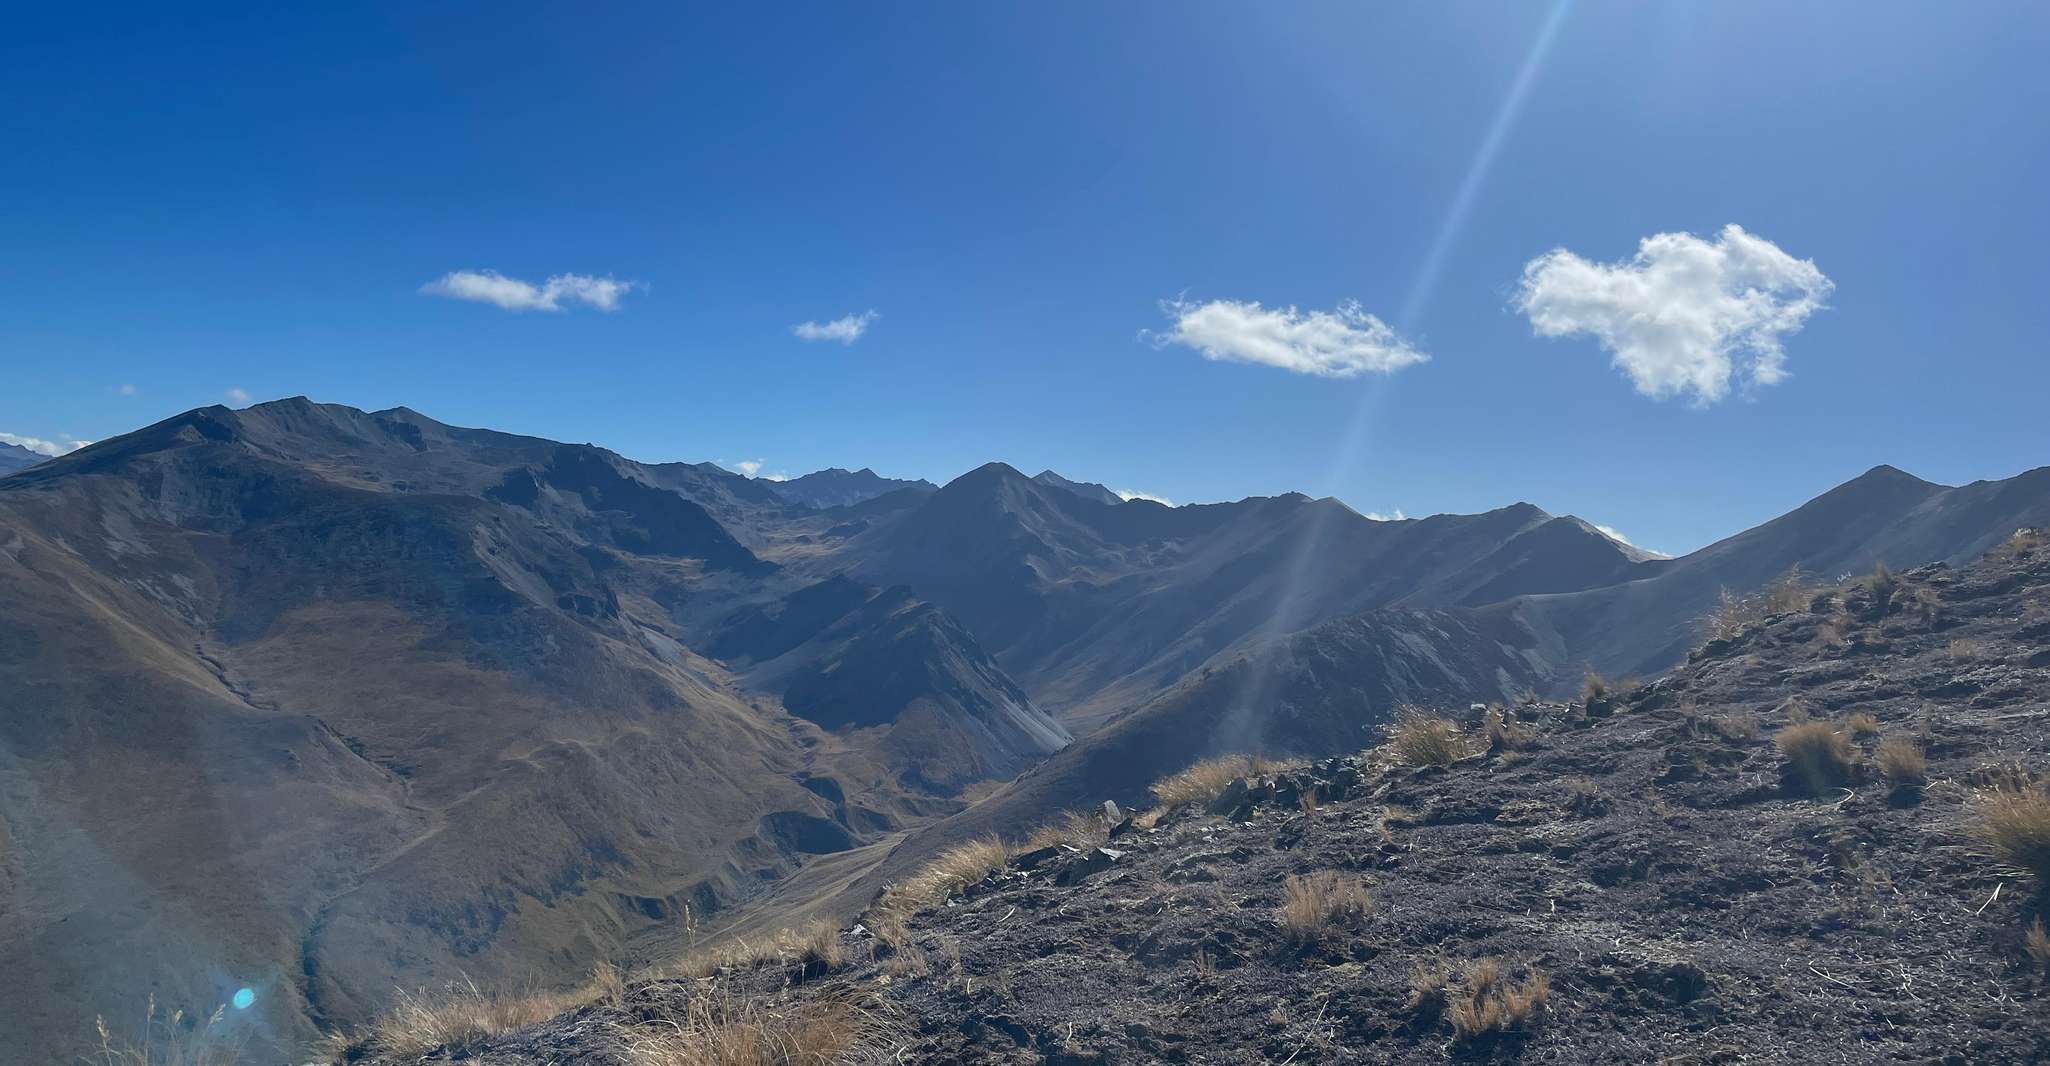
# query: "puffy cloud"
[512,294]
[1341,343]
[1685,315]
[41,446]
[1387,516]
[748,467]
[1128,495]
[237,395]
[846,329]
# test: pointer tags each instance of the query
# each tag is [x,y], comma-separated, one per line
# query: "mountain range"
[15,457]
[321,702]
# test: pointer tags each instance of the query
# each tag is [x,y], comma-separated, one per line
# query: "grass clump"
[1421,740]
[2015,823]
[950,873]
[1489,1005]
[1317,907]
[2036,941]
[720,1028]
[1861,724]
[1206,780]
[461,1015]
[167,1040]
[1902,761]
[1819,756]
[1502,732]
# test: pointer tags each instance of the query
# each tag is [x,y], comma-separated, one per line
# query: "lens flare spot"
[243,998]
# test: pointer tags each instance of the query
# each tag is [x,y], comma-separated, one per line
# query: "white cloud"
[237,395]
[1341,343]
[125,390]
[41,446]
[846,329]
[778,476]
[512,294]
[1128,495]
[1685,315]
[747,467]
[1387,516]
[1616,535]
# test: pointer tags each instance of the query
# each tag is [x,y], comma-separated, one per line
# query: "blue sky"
[206,200]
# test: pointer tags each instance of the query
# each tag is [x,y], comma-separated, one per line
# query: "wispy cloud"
[846,329]
[237,395]
[1616,535]
[1388,516]
[125,390]
[513,294]
[1344,342]
[1685,315]
[40,446]
[1128,495]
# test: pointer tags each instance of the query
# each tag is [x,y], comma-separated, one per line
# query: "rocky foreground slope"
[1742,861]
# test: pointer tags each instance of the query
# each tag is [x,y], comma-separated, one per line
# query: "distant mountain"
[835,487]
[14,457]
[341,701]
[335,701]
[1086,490]
[1097,606]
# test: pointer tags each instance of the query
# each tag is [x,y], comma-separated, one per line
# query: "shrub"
[1902,761]
[2015,823]
[1489,1005]
[1423,741]
[1316,907]
[1818,755]
[1883,585]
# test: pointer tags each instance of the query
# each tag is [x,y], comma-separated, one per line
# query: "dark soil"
[1689,900]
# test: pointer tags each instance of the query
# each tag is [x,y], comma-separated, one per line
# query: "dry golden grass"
[1079,828]
[166,1041]
[1860,724]
[1430,986]
[1902,761]
[1820,754]
[1594,688]
[1734,612]
[2015,823]
[2036,941]
[929,887]
[1316,907]
[2023,541]
[1425,741]
[1883,585]
[1206,780]
[721,1028]
[462,1014]
[1488,1004]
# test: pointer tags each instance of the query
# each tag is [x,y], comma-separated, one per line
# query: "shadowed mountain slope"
[834,487]
[320,702]
[14,457]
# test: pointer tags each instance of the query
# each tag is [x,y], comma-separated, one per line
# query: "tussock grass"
[721,1028]
[1430,988]
[1902,761]
[2036,941]
[1883,585]
[807,951]
[1739,725]
[1079,828]
[2015,823]
[463,1014]
[2023,542]
[1861,724]
[1420,740]
[1206,780]
[1316,907]
[1489,1004]
[1502,733]
[950,873]
[1818,753]
[166,1040]
[1735,613]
